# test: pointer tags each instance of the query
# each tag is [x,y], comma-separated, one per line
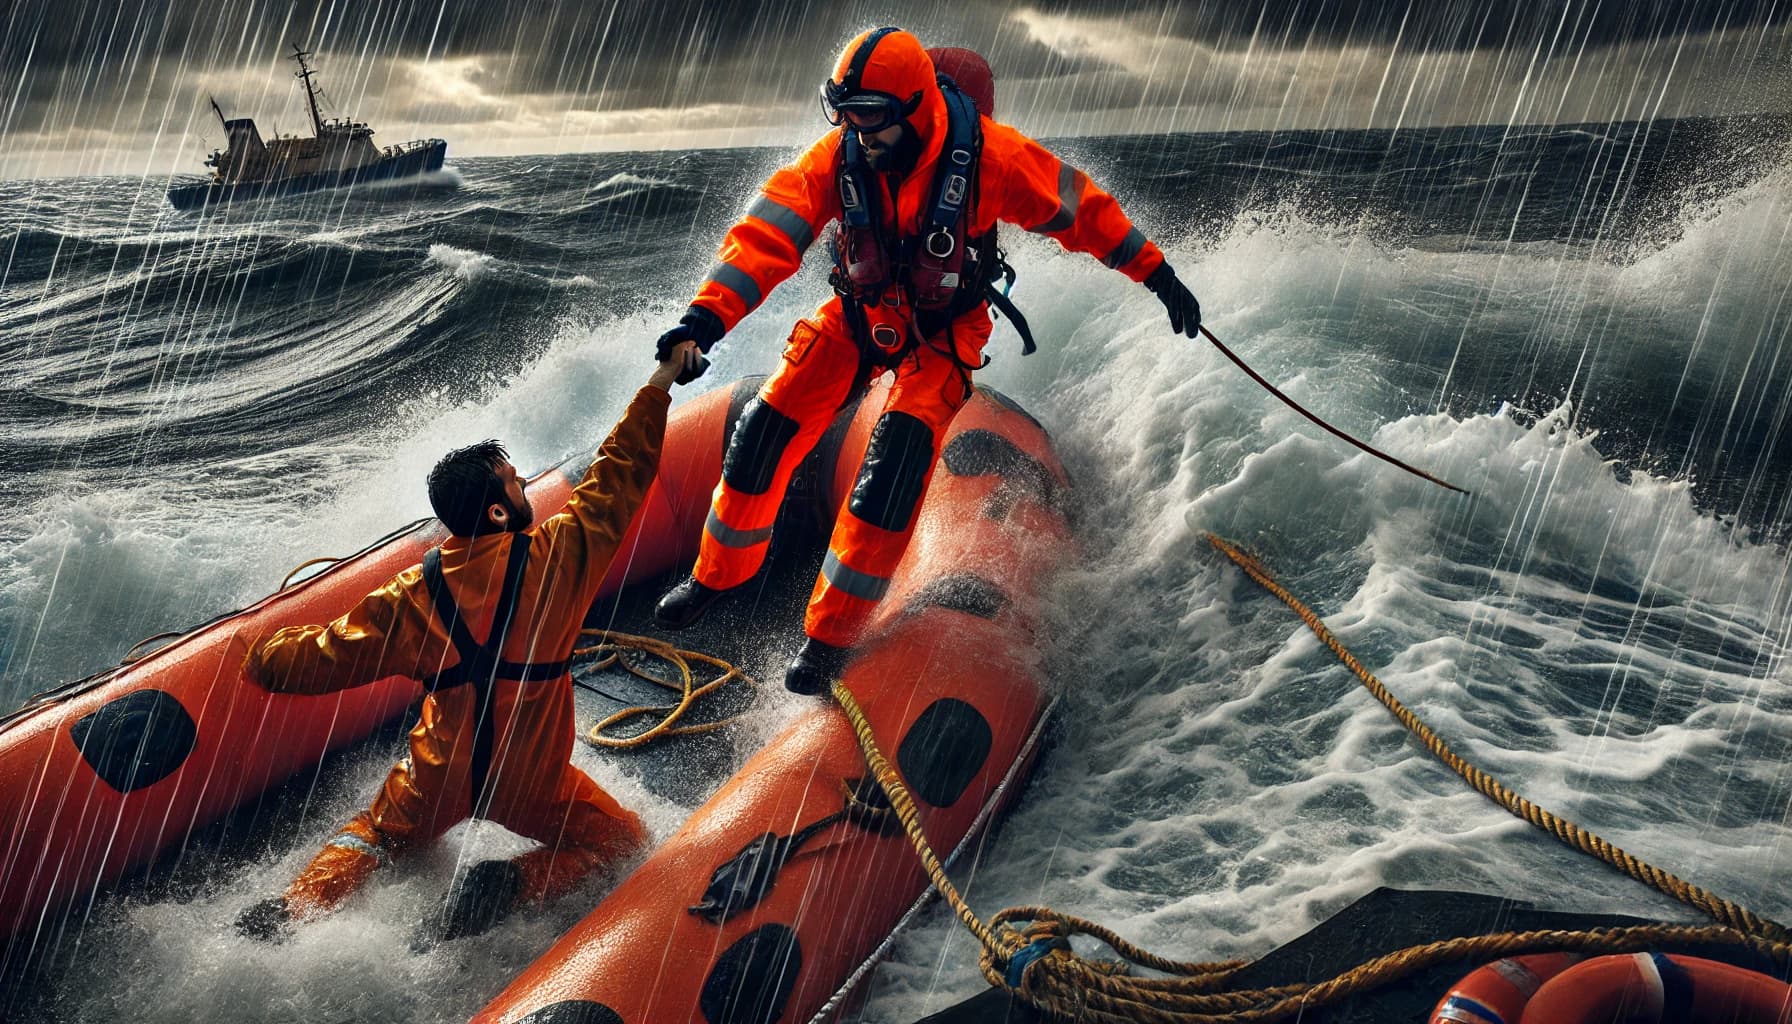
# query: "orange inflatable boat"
[722,923]
[774,896]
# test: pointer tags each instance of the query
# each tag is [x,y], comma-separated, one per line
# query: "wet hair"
[464,484]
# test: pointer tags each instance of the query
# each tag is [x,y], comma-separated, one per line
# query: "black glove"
[698,325]
[1185,312]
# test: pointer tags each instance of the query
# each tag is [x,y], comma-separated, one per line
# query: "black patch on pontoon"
[894,472]
[987,453]
[752,981]
[962,592]
[137,740]
[1012,406]
[944,750]
[752,455]
[739,883]
[572,1011]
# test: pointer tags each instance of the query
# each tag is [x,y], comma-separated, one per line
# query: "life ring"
[1644,988]
[1496,993]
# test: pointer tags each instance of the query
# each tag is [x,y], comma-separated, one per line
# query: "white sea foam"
[466,265]
[625,180]
[1593,637]
[448,176]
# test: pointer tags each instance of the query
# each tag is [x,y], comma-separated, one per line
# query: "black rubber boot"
[684,604]
[486,895]
[265,921]
[815,667]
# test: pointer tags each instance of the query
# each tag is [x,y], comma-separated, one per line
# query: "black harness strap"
[481,664]
[1001,301]
[954,190]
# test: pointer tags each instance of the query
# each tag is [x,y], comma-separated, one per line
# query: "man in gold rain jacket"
[496,733]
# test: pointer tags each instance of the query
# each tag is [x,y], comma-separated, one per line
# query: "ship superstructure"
[339,152]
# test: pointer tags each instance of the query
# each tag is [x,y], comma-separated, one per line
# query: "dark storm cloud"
[559,38]
[1431,24]
[145,67]
[91,54]
[657,50]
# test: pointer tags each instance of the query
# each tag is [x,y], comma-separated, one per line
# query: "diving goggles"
[866,111]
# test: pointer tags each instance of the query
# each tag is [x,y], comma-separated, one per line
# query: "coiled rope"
[1035,961]
[609,650]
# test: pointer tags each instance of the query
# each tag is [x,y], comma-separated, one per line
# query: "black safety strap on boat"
[481,664]
[510,671]
[740,882]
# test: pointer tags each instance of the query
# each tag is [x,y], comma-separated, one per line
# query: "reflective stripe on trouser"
[581,829]
[819,368]
[347,860]
[879,516]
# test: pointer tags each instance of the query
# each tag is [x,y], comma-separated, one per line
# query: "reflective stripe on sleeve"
[859,584]
[782,217]
[1128,248]
[728,536]
[737,281]
[1069,196]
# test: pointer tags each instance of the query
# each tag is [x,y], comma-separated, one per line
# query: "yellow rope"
[904,805]
[1065,984]
[610,648]
[1719,909]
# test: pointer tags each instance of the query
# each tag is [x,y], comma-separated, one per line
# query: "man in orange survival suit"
[496,732]
[902,305]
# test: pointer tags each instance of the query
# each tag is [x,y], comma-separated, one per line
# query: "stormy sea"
[1589,327]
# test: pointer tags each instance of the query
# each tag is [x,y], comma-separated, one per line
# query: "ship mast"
[304,74]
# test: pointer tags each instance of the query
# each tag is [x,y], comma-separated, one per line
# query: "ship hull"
[421,160]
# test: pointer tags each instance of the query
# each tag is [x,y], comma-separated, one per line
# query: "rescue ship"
[339,153]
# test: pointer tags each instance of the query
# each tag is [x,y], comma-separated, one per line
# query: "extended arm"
[1047,196]
[764,248]
[380,637]
[584,536]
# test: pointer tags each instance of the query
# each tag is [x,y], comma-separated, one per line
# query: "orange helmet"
[883,76]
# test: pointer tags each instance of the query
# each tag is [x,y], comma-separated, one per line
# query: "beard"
[521,518]
[900,155]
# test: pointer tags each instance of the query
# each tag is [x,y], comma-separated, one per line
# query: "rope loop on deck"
[610,649]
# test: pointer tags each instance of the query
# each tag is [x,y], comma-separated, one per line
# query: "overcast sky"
[120,86]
